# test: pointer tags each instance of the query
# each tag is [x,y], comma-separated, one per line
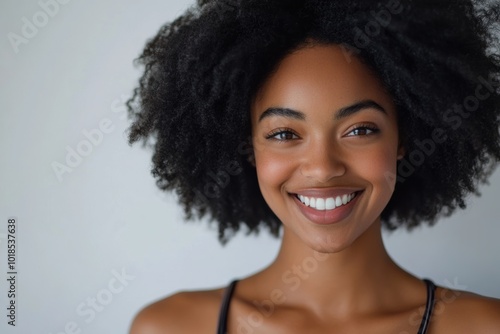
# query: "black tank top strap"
[424,325]
[224,310]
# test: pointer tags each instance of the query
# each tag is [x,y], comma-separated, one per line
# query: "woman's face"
[326,145]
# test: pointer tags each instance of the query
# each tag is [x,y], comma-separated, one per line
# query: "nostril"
[322,170]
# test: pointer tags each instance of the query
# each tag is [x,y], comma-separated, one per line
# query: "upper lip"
[326,192]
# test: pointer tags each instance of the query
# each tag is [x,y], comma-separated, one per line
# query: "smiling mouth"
[326,204]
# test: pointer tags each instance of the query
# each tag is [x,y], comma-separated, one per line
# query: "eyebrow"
[339,114]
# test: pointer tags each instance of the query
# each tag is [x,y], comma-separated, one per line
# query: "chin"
[329,244]
[340,239]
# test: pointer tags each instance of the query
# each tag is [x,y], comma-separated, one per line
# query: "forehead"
[320,77]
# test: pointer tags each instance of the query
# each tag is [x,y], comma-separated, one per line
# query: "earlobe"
[251,159]
[401,147]
[401,152]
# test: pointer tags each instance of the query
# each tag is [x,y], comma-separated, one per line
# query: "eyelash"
[367,127]
[281,131]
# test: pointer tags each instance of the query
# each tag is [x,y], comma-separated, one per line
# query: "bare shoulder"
[465,312]
[183,312]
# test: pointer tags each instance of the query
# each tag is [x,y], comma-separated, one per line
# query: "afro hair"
[439,60]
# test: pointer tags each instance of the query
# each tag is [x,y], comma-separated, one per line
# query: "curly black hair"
[439,60]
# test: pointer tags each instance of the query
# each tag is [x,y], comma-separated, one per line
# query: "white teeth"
[320,204]
[344,199]
[329,203]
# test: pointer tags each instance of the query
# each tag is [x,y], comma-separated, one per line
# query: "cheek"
[378,166]
[273,170]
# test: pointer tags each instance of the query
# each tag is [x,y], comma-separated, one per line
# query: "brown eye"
[363,131]
[282,135]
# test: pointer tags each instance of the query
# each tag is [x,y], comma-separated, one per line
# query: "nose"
[322,162]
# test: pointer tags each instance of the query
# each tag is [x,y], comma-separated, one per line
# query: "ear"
[401,146]
[401,152]
[251,158]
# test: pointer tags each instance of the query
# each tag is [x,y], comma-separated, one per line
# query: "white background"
[107,215]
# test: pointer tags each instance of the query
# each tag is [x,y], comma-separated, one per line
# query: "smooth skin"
[333,277]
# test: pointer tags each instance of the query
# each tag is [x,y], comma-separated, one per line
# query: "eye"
[282,135]
[363,130]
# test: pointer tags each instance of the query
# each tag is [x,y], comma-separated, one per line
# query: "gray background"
[106,216]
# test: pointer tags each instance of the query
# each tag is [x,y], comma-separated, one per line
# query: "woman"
[325,121]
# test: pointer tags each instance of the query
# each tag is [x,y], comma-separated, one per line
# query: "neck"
[354,279]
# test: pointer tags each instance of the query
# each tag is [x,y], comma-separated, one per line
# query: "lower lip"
[327,217]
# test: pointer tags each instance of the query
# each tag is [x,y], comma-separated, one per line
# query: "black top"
[424,325]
